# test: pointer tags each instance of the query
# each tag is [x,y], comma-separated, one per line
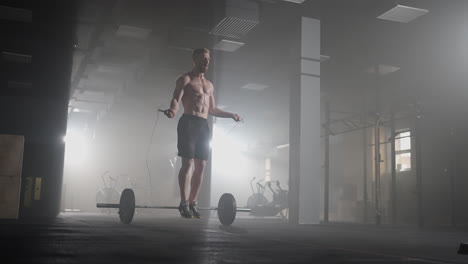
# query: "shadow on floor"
[233,230]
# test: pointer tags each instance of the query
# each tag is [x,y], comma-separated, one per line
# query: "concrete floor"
[100,238]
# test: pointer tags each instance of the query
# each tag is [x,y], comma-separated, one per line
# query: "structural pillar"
[305,178]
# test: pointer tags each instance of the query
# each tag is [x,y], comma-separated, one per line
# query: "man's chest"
[198,87]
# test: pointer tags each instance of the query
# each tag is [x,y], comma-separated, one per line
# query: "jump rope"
[152,137]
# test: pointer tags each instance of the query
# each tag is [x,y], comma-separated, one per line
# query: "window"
[403,151]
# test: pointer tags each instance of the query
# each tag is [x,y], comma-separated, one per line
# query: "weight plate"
[227,209]
[127,206]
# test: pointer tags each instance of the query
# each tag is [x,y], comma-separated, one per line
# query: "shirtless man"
[193,133]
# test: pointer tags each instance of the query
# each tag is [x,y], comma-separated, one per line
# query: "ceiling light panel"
[255,86]
[403,14]
[228,45]
[133,32]
[382,69]
[295,1]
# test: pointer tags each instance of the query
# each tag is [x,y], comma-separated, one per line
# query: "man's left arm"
[215,111]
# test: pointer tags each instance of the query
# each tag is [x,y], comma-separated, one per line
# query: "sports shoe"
[185,211]
[194,210]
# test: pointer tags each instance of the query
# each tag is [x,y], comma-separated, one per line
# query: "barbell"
[227,207]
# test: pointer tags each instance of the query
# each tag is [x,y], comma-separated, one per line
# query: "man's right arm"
[177,97]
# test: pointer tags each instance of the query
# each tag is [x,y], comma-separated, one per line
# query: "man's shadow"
[233,230]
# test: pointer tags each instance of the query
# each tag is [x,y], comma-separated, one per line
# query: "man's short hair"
[197,52]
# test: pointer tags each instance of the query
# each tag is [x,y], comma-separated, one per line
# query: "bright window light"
[233,166]
[403,151]
[227,150]
[76,147]
[404,141]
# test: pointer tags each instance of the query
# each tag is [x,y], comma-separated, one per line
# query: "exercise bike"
[257,198]
[278,205]
[108,194]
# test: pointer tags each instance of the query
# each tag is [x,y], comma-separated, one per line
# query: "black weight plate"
[227,209]
[127,206]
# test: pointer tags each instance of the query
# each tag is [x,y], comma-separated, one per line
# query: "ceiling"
[129,53]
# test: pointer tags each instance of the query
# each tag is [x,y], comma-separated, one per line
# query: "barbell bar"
[227,207]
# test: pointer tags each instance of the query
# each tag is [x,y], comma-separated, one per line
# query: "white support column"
[305,153]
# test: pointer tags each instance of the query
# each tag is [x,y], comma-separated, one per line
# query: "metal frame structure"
[360,121]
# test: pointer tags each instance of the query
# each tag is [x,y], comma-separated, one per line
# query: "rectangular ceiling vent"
[403,14]
[240,17]
[228,45]
[233,27]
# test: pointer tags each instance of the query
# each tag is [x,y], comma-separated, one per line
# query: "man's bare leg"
[184,179]
[195,185]
[197,178]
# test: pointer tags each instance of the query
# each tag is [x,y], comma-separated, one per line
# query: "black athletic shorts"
[193,137]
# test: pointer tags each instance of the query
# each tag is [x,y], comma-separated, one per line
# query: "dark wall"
[444,169]
[39,111]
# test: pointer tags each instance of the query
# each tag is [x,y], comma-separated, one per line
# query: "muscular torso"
[196,97]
